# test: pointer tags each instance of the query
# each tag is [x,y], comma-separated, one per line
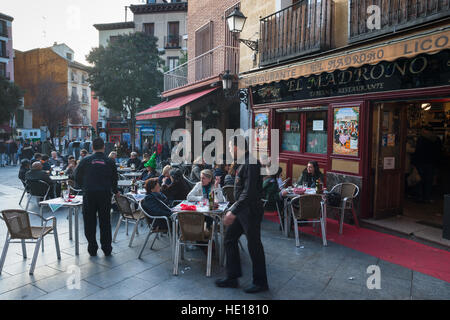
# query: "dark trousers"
[426,172]
[249,223]
[97,202]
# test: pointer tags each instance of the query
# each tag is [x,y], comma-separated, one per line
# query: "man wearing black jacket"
[97,175]
[245,216]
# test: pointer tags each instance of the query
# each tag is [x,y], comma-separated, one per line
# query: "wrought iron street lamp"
[236,21]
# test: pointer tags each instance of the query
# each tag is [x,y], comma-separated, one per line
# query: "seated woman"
[155,203]
[71,166]
[24,168]
[204,187]
[220,172]
[178,189]
[151,169]
[165,176]
[310,175]
[145,158]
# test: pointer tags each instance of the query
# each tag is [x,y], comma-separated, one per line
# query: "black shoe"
[227,283]
[256,288]
[92,253]
[107,252]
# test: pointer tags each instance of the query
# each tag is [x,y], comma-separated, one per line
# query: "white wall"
[104,35]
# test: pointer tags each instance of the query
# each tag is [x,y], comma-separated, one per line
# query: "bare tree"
[53,107]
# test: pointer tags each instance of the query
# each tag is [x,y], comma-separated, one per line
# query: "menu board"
[346,131]
[262,130]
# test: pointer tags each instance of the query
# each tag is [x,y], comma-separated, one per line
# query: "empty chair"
[154,230]
[38,189]
[348,192]
[228,192]
[25,190]
[310,210]
[127,214]
[266,202]
[72,188]
[20,230]
[192,231]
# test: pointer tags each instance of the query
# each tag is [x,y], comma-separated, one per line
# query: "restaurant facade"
[354,106]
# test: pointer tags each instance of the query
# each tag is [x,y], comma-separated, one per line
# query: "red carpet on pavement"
[407,253]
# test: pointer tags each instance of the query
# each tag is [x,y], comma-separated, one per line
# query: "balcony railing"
[172,42]
[297,30]
[395,15]
[207,65]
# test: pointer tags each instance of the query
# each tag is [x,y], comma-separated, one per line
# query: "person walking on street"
[245,216]
[97,176]
[2,152]
[12,152]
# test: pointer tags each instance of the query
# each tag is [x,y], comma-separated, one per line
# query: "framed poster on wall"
[346,131]
[261,127]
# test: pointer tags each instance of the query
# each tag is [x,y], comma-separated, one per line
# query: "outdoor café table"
[136,197]
[124,183]
[132,174]
[74,204]
[215,214]
[59,178]
[287,207]
[124,169]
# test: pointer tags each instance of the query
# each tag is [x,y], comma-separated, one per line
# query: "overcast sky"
[40,23]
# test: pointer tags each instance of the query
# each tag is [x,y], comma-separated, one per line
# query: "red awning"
[171,108]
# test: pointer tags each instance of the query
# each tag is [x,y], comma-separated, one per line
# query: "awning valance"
[172,107]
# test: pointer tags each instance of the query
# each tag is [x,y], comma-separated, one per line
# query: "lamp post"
[236,21]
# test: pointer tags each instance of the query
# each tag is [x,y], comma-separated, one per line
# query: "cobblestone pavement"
[309,272]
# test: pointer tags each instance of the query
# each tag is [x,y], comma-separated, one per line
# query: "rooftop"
[6,17]
[159,7]
[114,26]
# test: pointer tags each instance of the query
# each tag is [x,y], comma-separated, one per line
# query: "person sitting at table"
[24,168]
[310,175]
[156,203]
[204,187]
[71,166]
[151,169]
[45,165]
[36,173]
[36,157]
[220,171]
[197,166]
[165,176]
[83,154]
[230,177]
[271,190]
[145,158]
[113,155]
[55,160]
[134,160]
[178,189]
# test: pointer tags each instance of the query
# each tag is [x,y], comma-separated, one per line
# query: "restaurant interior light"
[426,106]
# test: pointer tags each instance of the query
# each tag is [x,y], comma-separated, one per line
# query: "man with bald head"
[36,173]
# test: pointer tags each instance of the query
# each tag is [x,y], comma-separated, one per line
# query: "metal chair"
[20,229]
[283,184]
[228,192]
[310,210]
[25,190]
[348,191]
[190,182]
[265,202]
[193,230]
[127,213]
[38,189]
[72,188]
[156,230]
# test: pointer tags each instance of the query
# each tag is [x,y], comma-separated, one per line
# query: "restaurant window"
[316,132]
[291,132]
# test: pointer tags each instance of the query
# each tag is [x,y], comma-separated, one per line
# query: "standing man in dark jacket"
[97,175]
[245,216]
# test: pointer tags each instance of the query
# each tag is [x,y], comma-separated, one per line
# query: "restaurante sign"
[418,72]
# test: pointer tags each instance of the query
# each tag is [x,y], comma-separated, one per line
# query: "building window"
[113,39]
[172,62]
[149,29]
[316,132]
[69,56]
[72,76]
[291,132]
[74,94]
[173,38]
[3,49]
[2,69]
[3,29]
[85,96]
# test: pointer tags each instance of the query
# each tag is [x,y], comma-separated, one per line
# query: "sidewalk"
[308,272]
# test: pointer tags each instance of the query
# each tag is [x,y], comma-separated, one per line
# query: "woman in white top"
[204,187]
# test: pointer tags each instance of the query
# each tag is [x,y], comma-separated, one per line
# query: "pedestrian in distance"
[97,176]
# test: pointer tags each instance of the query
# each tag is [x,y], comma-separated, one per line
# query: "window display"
[346,131]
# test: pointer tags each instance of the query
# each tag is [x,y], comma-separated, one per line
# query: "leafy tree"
[52,106]
[10,99]
[125,75]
